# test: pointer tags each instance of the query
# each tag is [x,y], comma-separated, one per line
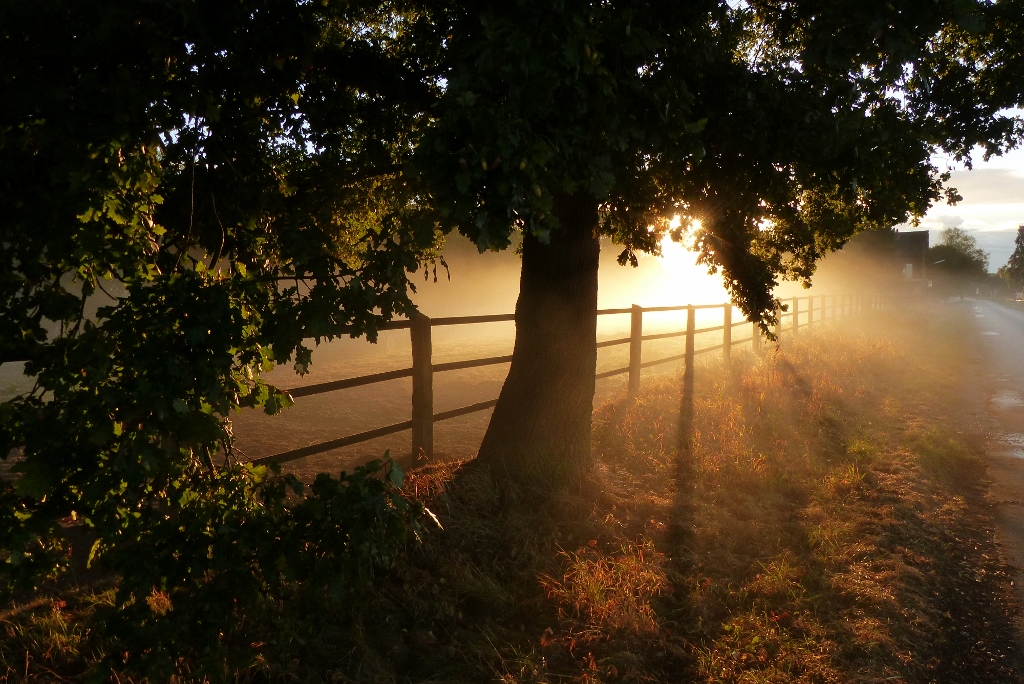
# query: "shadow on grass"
[817,532]
[843,561]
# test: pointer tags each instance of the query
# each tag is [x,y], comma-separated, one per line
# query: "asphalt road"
[1001,332]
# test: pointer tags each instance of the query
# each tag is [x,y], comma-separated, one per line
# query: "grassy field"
[831,528]
[328,416]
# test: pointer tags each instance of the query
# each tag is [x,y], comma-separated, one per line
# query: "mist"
[473,284]
[488,283]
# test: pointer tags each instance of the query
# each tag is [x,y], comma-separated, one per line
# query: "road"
[1001,330]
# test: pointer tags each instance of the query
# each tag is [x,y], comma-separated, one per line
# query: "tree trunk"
[540,430]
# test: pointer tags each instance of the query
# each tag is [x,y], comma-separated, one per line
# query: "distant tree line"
[957,265]
[1012,273]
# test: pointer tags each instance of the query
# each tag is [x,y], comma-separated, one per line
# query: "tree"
[1013,272]
[957,261]
[958,240]
[782,128]
[190,192]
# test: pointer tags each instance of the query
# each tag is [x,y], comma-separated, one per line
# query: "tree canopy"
[782,129]
[193,193]
[957,262]
[1012,272]
[190,194]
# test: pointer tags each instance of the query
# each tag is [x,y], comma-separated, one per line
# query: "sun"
[672,279]
[683,280]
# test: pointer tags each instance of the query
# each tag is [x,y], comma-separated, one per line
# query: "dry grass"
[832,531]
[48,639]
[610,592]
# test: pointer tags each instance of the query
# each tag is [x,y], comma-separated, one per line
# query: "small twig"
[99,284]
[1007,502]
[223,232]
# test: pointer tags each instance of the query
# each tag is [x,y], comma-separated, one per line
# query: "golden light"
[673,278]
[683,280]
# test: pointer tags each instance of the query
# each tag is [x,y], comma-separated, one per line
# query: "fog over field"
[488,283]
[485,283]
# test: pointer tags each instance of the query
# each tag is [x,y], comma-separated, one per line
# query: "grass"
[831,530]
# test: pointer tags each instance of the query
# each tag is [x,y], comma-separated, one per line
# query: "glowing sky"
[992,208]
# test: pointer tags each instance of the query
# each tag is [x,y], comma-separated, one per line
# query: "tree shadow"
[886,563]
[841,565]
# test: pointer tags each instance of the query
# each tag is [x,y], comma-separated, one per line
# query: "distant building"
[912,250]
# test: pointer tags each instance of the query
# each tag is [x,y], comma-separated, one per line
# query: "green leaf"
[396,475]
[696,126]
[36,479]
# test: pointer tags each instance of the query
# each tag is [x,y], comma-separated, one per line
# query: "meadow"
[830,526]
[327,416]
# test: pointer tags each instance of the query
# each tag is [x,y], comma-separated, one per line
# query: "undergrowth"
[830,531]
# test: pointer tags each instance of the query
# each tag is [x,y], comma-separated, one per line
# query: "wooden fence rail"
[830,307]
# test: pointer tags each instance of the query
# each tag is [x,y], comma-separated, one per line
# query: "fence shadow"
[422,368]
[881,561]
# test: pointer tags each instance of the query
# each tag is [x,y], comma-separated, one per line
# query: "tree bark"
[540,430]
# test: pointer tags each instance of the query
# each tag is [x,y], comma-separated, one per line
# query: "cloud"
[992,208]
[989,186]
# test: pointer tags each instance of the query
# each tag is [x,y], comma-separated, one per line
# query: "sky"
[992,208]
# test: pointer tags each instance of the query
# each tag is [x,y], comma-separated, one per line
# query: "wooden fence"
[803,312]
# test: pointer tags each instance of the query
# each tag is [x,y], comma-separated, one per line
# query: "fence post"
[755,340]
[810,312]
[727,333]
[778,325]
[422,387]
[796,316]
[636,333]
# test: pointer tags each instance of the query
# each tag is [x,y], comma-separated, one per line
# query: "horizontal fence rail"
[801,312]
